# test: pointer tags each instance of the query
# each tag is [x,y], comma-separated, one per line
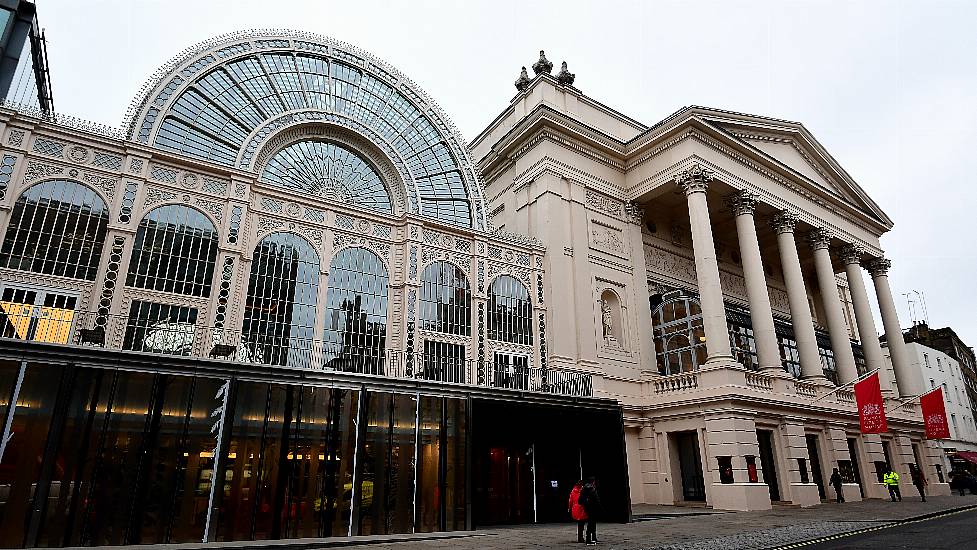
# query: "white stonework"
[566,169]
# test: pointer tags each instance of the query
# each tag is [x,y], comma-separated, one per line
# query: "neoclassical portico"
[695,181]
[748,242]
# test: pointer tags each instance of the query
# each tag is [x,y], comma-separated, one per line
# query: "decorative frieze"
[15,138]
[155,195]
[603,204]
[215,209]
[49,147]
[607,239]
[107,185]
[341,240]
[6,171]
[39,170]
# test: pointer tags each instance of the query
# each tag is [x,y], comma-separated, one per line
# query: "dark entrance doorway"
[693,485]
[527,457]
[765,437]
[856,468]
[815,457]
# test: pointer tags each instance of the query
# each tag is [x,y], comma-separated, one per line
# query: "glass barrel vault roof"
[224,97]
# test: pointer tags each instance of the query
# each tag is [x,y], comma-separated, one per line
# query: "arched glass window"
[56,228]
[679,337]
[329,171]
[446,301]
[174,251]
[356,312]
[509,311]
[217,114]
[279,313]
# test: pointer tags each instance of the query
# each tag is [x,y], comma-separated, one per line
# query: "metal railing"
[275,345]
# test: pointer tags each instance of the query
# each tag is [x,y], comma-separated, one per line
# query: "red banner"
[934,415]
[871,407]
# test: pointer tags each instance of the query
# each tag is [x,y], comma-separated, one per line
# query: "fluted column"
[840,341]
[743,206]
[695,181]
[784,224]
[851,256]
[907,383]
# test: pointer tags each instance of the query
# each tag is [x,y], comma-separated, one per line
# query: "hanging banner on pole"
[934,415]
[871,407]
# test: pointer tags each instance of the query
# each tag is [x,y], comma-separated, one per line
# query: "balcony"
[362,356]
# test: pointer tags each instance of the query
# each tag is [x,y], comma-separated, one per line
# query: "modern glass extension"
[109,456]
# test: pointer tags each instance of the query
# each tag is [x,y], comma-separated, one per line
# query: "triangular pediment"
[791,146]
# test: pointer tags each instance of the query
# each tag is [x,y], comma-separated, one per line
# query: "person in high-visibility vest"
[891,480]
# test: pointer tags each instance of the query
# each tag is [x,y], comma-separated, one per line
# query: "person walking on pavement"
[835,482]
[577,511]
[590,501]
[891,480]
[919,480]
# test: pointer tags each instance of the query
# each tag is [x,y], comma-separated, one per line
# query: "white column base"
[743,497]
[804,495]
[938,490]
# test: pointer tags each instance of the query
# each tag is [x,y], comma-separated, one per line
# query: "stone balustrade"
[672,383]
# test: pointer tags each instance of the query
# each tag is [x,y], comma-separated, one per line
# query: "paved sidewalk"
[674,528]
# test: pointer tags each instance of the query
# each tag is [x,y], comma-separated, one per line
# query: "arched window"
[279,313]
[680,341]
[356,312]
[174,251]
[509,311]
[446,301]
[329,171]
[56,228]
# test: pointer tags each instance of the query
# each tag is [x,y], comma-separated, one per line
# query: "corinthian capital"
[851,254]
[819,238]
[878,267]
[742,202]
[784,222]
[694,179]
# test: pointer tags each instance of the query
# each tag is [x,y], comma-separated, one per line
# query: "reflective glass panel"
[510,311]
[329,171]
[279,314]
[446,301]
[356,312]
[679,336]
[386,478]
[56,228]
[174,251]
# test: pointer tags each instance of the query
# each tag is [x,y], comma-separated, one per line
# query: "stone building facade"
[289,300]
[712,282]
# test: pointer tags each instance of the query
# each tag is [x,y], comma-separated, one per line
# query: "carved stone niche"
[612,321]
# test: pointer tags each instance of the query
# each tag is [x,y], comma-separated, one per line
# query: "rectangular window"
[926,359]
[939,364]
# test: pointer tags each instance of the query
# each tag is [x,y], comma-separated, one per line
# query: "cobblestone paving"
[673,528]
[771,538]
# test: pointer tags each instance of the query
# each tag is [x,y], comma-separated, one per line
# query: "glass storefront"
[109,457]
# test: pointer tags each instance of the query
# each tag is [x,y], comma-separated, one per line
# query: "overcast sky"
[889,88]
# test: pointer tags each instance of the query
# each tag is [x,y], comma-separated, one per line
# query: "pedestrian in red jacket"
[577,511]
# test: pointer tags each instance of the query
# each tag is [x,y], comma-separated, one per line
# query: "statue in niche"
[607,318]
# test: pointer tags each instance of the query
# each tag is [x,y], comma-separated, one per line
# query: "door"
[815,457]
[765,437]
[857,470]
[36,314]
[693,484]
